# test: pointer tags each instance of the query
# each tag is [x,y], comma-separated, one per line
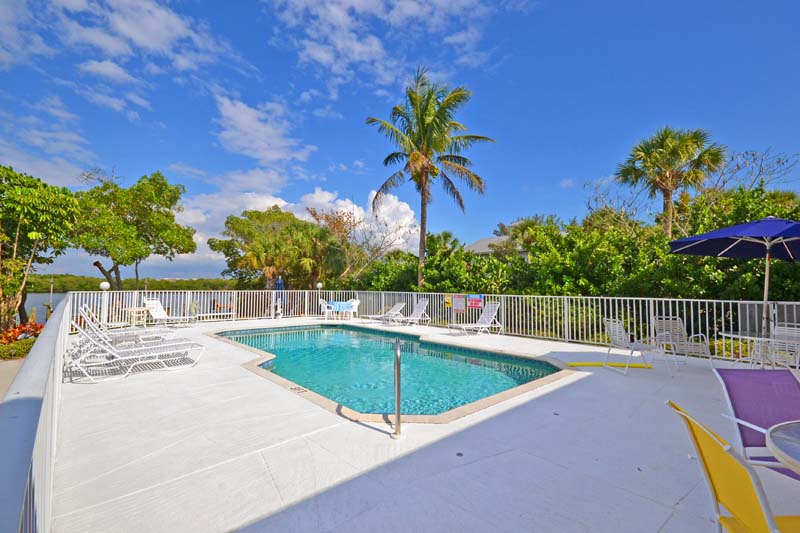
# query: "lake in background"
[38,299]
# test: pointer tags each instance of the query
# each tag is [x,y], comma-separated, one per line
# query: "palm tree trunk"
[667,212]
[423,234]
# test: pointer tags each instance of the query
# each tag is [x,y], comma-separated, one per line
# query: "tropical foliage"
[430,145]
[262,245]
[606,254]
[670,160]
[35,222]
[70,282]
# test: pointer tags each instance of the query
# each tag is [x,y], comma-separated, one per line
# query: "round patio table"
[760,345]
[783,440]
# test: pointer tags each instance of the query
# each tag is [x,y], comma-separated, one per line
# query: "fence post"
[566,319]
[651,318]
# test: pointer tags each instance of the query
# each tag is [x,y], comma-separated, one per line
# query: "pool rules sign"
[459,303]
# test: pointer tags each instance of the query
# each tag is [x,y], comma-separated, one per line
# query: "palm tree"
[669,160]
[430,146]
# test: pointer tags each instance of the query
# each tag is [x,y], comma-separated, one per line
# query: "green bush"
[16,349]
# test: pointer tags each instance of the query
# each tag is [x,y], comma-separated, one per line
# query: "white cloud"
[133,116]
[183,169]
[261,132]
[349,37]
[55,107]
[566,183]
[146,27]
[74,33]
[54,170]
[57,141]
[259,180]
[138,100]
[326,112]
[307,96]
[18,38]
[109,70]
[104,100]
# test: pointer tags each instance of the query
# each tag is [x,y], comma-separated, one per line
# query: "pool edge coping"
[254,366]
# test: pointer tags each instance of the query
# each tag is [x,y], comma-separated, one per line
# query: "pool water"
[355,367]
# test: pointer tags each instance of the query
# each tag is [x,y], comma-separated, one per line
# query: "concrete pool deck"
[217,447]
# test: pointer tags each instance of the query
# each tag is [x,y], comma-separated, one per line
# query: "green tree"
[129,225]
[430,146]
[262,245]
[670,160]
[35,221]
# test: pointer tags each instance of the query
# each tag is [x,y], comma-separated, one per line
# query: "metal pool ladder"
[396,434]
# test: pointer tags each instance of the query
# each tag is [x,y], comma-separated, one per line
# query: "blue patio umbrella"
[769,237]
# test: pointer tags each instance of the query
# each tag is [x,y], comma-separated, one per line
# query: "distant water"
[38,299]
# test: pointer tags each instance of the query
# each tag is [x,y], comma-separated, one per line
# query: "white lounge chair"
[160,315]
[392,315]
[485,323]
[98,360]
[418,315]
[671,332]
[620,338]
[121,334]
[123,339]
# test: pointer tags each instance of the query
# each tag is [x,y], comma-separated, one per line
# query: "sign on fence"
[448,301]
[459,303]
[475,301]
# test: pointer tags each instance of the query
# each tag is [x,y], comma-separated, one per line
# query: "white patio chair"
[98,360]
[670,331]
[160,315]
[353,309]
[392,315]
[418,315]
[784,344]
[325,308]
[485,323]
[621,339]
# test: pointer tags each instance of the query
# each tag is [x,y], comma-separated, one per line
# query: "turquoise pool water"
[355,367]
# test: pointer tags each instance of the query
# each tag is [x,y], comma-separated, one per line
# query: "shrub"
[16,349]
[23,331]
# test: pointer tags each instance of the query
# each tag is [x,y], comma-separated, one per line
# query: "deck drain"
[298,389]
[459,454]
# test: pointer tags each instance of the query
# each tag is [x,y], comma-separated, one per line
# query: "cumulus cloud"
[261,132]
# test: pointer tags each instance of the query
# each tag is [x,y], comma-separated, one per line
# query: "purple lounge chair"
[759,399]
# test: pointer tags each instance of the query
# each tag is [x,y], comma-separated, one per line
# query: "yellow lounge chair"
[734,484]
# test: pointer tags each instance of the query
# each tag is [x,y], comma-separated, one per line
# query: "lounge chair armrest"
[699,336]
[745,423]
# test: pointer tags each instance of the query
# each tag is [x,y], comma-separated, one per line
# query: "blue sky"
[250,104]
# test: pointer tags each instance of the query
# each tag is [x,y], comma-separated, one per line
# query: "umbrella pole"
[765,310]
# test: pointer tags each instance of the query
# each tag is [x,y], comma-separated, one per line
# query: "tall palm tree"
[430,147]
[669,160]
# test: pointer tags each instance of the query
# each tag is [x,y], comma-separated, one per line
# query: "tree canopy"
[35,222]
[128,225]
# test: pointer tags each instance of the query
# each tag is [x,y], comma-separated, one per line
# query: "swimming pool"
[355,368]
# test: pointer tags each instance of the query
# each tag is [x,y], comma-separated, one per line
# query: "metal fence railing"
[29,412]
[564,318]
